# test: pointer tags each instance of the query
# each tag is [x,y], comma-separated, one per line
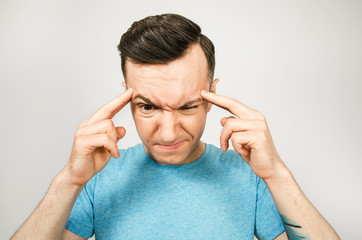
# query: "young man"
[173,186]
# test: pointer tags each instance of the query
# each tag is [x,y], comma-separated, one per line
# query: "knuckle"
[262,116]
[263,125]
[263,136]
[78,132]
[229,123]
[230,119]
[234,137]
[82,123]
[109,123]
[79,140]
[226,120]
[106,138]
[259,115]
[110,139]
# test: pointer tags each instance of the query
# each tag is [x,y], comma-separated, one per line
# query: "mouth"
[171,146]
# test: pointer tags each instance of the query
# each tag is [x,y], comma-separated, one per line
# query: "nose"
[168,128]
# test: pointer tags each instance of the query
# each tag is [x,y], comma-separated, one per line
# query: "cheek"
[195,123]
[144,125]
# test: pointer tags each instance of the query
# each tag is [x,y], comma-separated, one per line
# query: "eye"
[146,108]
[189,108]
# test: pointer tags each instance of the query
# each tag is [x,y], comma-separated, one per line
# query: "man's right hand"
[96,141]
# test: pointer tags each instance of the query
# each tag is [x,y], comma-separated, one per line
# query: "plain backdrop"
[298,62]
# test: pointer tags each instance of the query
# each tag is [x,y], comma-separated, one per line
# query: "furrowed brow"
[193,102]
[146,100]
[187,104]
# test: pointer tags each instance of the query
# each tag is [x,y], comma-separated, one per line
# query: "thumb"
[121,131]
[224,119]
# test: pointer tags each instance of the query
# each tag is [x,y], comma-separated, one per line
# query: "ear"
[124,84]
[213,90]
[213,85]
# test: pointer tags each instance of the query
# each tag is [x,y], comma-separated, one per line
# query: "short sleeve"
[268,222]
[81,219]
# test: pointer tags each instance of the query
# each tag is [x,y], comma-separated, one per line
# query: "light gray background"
[298,62]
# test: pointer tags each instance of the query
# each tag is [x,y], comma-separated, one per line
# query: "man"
[173,186]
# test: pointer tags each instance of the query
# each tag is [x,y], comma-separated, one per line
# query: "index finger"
[237,108]
[110,109]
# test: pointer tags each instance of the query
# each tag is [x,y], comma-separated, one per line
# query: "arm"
[94,143]
[301,219]
[49,218]
[251,138]
[68,235]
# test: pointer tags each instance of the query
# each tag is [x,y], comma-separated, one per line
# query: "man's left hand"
[249,134]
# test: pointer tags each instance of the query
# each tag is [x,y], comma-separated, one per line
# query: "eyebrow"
[188,103]
[144,99]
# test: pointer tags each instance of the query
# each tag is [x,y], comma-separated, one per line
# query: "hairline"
[210,75]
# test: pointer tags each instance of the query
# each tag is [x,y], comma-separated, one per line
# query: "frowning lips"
[171,146]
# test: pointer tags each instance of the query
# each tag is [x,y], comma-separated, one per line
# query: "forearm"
[301,219]
[49,218]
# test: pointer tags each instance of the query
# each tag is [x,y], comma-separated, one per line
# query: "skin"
[171,130]
[167,108]
[251,138]
[249,134]
[95,142]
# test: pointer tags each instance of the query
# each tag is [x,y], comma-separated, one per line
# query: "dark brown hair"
[162,39]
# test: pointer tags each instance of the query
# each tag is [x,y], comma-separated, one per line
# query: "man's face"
[167,108]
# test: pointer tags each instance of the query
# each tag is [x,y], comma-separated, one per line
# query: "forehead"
[173,83]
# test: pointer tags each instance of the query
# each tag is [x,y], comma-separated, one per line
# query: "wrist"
[280,175]
[63,181]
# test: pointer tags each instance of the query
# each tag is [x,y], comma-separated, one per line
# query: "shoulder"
[229,160]
[231,169]
[131,151]
[229,157]
[128,156]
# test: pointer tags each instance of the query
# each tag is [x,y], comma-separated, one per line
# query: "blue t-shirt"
[215,197]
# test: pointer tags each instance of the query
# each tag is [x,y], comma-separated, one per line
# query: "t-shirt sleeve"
[81,219]
[268,222]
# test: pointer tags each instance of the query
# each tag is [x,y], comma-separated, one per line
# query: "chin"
[171,158]
[180,155]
